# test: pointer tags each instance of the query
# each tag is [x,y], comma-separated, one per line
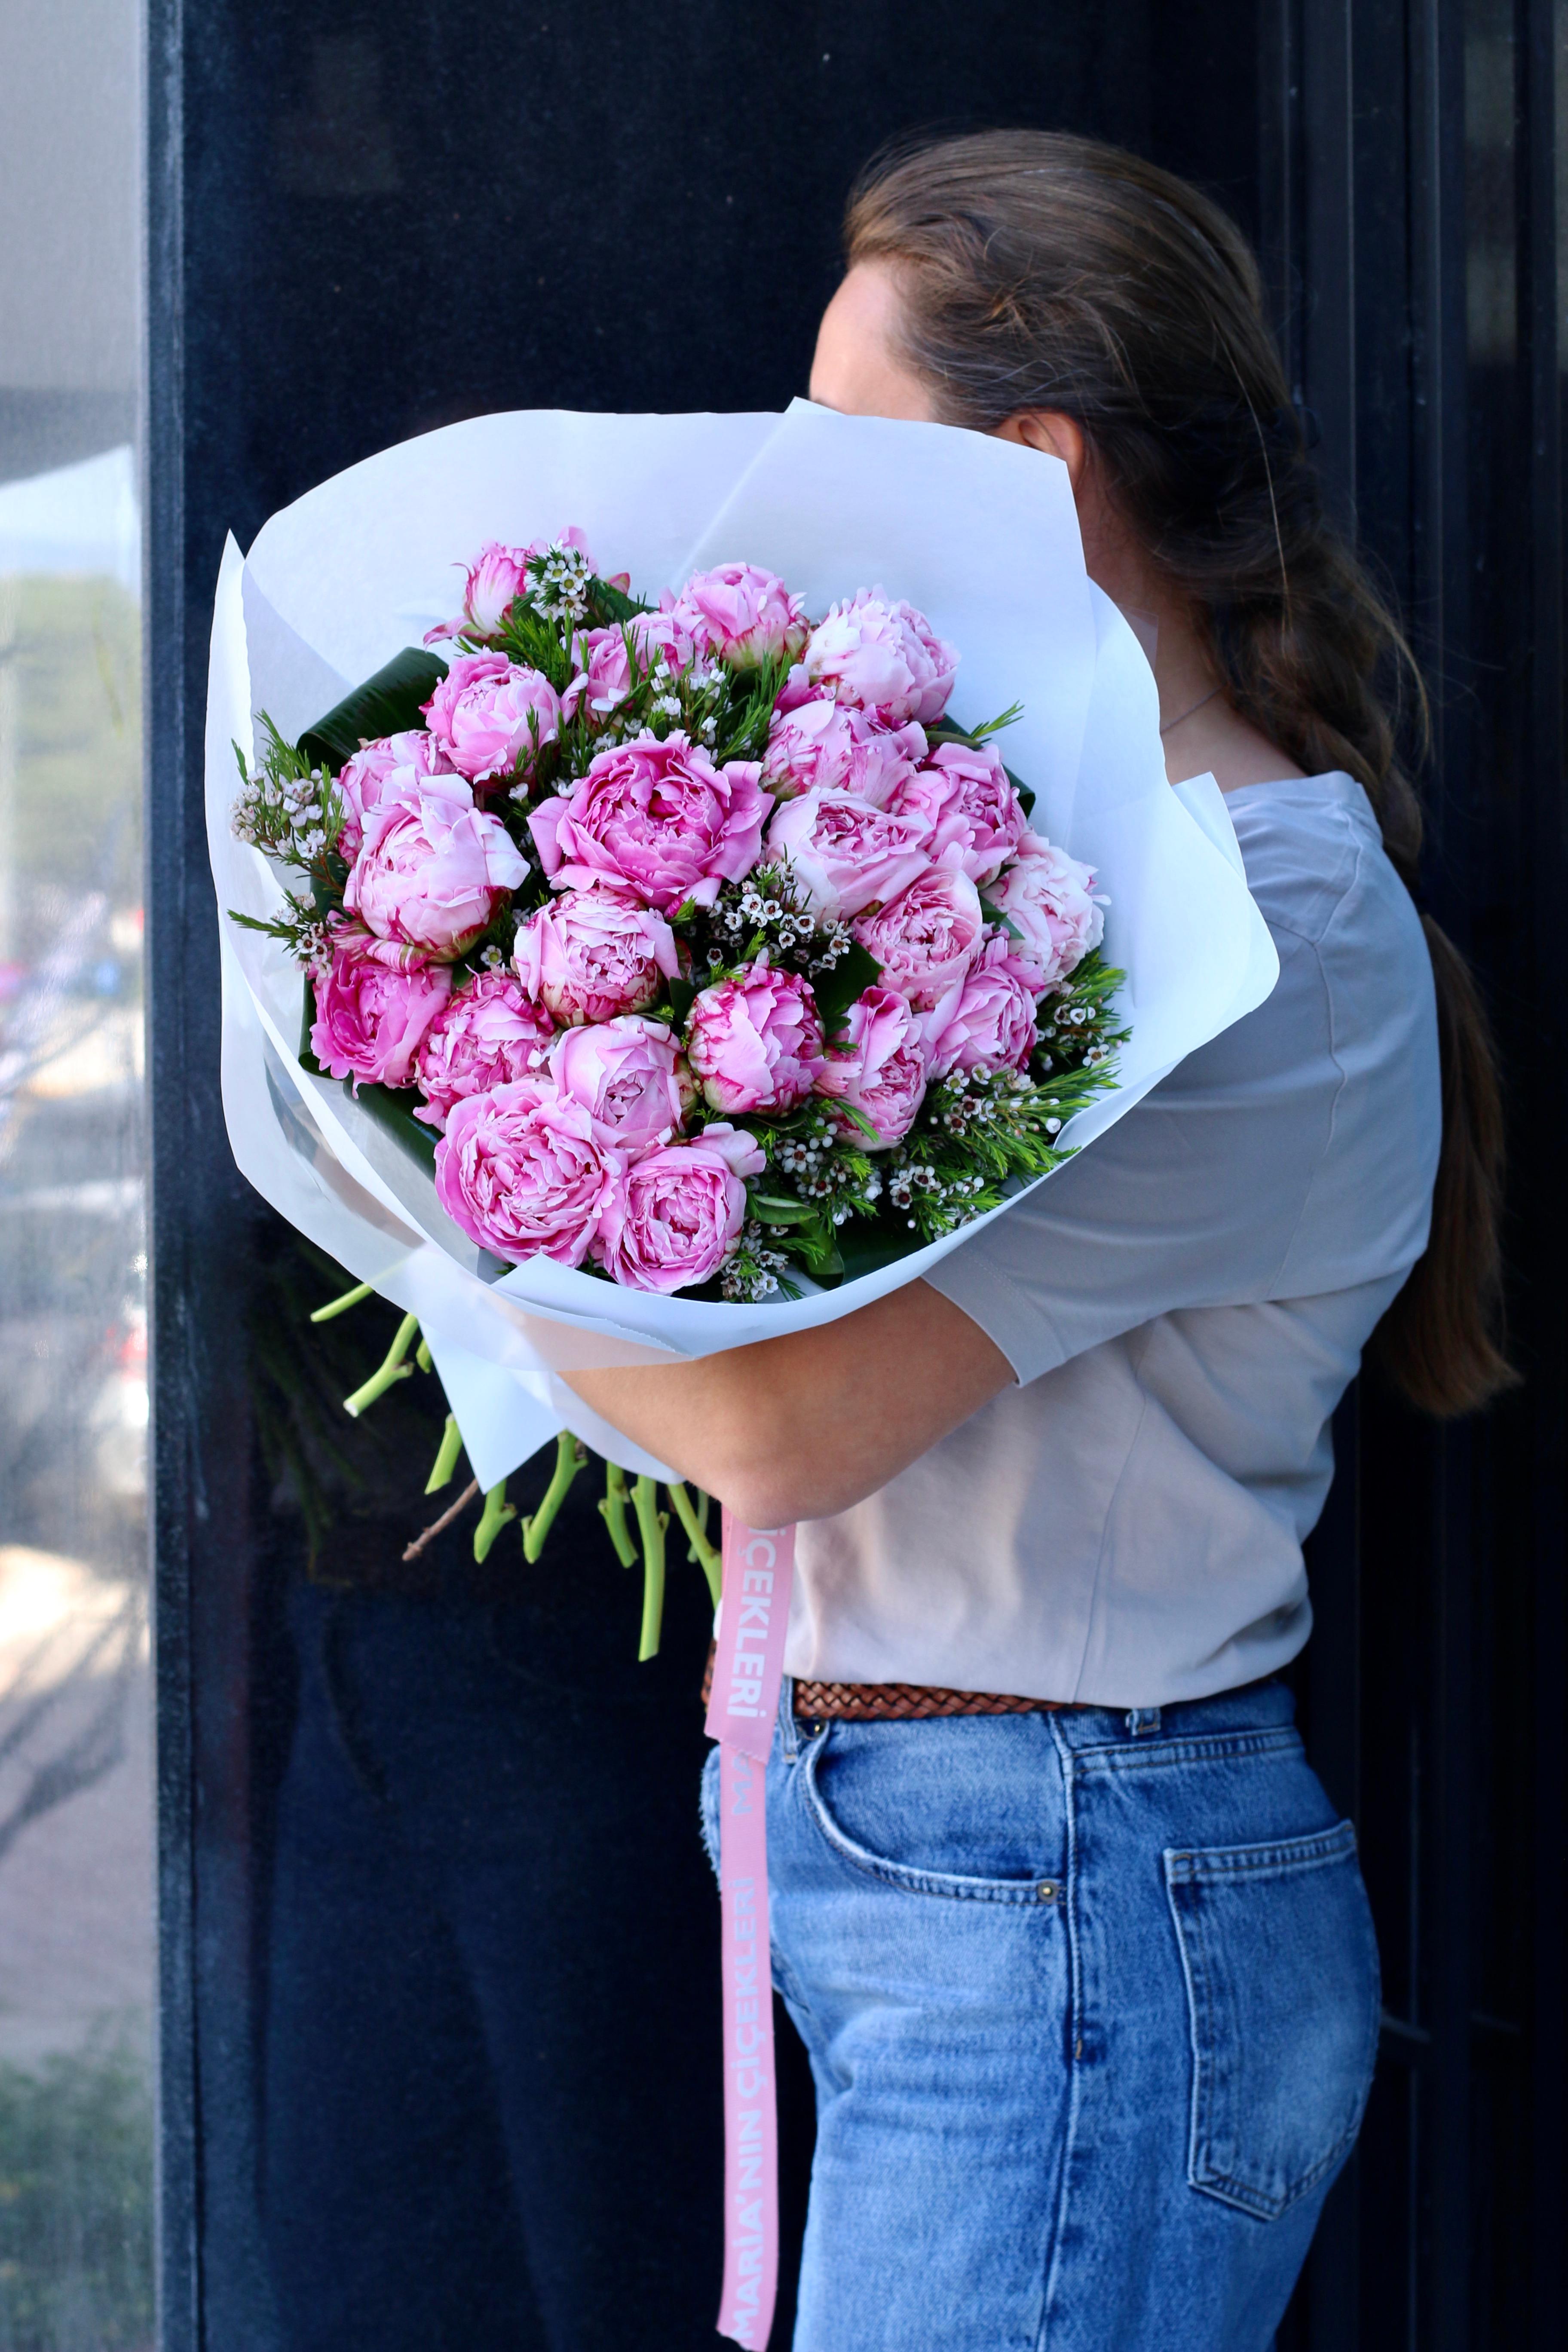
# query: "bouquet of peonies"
[680,973]
[695,942]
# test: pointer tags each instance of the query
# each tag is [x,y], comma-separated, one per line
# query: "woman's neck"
[1202,731]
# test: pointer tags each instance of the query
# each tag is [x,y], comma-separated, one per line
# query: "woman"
[1083,1960]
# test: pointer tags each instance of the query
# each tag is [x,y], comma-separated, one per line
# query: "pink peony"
[523,1173]
[590,955]
[831,744]
[656,818]
[963,797]
[882,1069]
[628,1076]
[491,717]
[987,1022]
[678,1213]
[926,938]
[845,854]
[432,869]
[384,771]
[743,615]
[880,655]
[486,1035]
[755,1043]
[1050,897]
[374,1002]
[606,673]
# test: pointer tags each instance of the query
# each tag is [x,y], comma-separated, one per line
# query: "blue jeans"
[1091,2002]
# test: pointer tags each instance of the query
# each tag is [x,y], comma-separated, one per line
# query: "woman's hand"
[802,1426]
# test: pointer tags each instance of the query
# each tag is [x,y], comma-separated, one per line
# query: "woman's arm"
[800,1427]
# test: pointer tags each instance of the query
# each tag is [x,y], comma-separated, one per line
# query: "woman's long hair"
[1039,272]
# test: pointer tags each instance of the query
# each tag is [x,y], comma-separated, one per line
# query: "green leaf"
[614,605]
[394,1110]
[867,1248]
[385,705]
[816,1247]
[995,914]
[307,1021]
[780,1209]
[1026,796]
[681,994]
[835,991]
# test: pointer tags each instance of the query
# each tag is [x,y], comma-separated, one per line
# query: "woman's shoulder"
[1355,979]
[1315,861]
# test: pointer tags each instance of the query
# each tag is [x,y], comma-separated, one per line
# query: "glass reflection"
[77,1941]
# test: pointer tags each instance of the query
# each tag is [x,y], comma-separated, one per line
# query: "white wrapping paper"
[979,534]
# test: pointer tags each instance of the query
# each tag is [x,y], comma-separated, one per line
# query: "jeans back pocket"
[1280,1960]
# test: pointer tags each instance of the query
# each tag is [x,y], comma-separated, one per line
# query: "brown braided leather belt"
[898,1701]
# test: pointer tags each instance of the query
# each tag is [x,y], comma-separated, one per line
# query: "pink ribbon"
[748,1666]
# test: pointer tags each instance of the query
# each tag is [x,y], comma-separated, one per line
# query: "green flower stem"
[570,1455]
[394,1368]
[612,1511]
[701,1550]
[651,1525]
[341,1305]
[423,1358]
[447,1456]
[492,1518]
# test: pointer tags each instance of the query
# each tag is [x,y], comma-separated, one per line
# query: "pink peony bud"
[1050,897]
[755,1043]
[496,577]
[628,1076]
[488,1035]
[375,1003]
[743,616]
[829,744]
[962,798]
[523,1173]
[386,770]
[491,718]
[880,655]
[656,818]
[926,938]
[987,1022]
[590,955]
[881,1068]
[432,869]
[844,855]
[678,1213]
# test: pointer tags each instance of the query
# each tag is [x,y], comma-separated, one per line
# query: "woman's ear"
[1048,429]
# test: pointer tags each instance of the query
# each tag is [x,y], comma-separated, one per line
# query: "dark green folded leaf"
[385,705]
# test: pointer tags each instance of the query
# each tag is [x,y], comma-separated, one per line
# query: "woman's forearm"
[802,1426]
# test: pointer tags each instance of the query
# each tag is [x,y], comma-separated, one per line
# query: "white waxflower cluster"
[769,902]
[558,583]
[816,1164]
[753,1271]
[980,1095]
[952,1193]
[292,817]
